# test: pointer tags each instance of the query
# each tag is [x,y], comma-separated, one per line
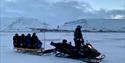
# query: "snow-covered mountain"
[5,21]
[97,24]
[21,24]
[27,24]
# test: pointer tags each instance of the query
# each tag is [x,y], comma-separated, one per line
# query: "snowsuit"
[35,42]
[28,40]
[65,48]
[78,39]
[23,41]
[39,43]
[16,40]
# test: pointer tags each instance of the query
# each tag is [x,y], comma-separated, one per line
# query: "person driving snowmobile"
[78,38]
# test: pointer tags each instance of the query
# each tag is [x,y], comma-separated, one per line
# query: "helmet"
[79,26]
[64,40]
[16,34]
[34,34]
[28,34]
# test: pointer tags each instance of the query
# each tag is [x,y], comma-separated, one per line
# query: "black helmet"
[28,34]
[79,26]
[64,40]
[16,34]
[22,35]
[52,43]
[34,34]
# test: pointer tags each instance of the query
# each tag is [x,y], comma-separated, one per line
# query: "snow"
[28,23]
[97,24]
[21,24]
[110,44]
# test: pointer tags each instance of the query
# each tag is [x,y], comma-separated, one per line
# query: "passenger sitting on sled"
[16,40]
[28,40]
[23,41]
[39,44]
[35,42]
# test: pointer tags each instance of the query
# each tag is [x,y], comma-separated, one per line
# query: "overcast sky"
[60,11]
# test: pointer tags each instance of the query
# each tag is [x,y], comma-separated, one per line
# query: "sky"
[59,11]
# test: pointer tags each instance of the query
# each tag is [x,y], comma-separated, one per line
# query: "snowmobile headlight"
[89,46]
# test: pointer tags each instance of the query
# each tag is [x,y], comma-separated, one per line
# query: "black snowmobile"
[87,52]
[81,51]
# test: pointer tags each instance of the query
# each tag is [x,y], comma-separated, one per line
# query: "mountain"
[97,24]
[5,21]
[22,24]
[33,24]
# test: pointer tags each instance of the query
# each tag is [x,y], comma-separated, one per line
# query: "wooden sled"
[31,51]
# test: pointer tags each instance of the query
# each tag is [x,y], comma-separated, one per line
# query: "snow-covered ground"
[110,44]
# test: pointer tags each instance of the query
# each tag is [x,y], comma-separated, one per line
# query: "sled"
[28,50]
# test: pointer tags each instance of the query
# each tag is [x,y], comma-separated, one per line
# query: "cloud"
[46,10]
[118,17]
[52,11]
[107,14]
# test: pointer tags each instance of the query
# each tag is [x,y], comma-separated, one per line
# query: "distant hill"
[21,24]
[32,24]
[97,24]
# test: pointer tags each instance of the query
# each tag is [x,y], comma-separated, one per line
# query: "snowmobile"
[87,53]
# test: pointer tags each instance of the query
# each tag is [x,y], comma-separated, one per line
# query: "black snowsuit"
[39,44]
[16,41]
[65,48]
[35,42]
[28,40]
[78,39]
[23,41]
